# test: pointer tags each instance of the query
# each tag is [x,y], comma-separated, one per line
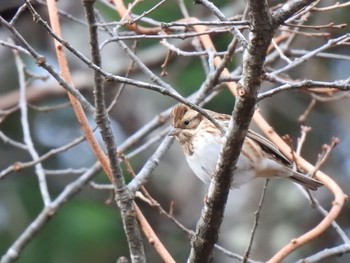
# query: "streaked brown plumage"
[201,142]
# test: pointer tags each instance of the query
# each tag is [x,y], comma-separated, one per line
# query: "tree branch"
[253,59]
[123,196]
[47,213]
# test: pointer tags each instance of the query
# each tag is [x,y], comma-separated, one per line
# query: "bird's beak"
[174,132]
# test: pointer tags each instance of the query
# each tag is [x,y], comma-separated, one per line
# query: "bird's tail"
[305,181]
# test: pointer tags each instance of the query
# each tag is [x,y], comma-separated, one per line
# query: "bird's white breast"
[203,161]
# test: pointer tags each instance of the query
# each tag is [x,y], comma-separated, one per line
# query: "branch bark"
[253,58]
[123,196]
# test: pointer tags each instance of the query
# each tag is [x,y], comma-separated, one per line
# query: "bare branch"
[46,214]
[253,59]
[220,45]
[39,170]
[14,143]
[256,222]
[327,253]
[21,165]
[41,61]
[123,196]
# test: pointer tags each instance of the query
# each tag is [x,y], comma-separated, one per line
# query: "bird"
[201,143]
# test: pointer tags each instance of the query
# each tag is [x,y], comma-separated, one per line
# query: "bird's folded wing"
[268,146]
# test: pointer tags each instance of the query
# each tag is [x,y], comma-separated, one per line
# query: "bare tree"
[120,75]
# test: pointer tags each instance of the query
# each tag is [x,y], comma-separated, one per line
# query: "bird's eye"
[186,122]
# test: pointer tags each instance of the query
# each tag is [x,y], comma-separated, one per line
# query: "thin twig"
[326,150]
[21,165]
[301,140]
[256,222]
[50,108]
[39,170]
[164,89]
[8,140]
[342,85]
[310,107]
[330,43]
[41,61]
[19,12]
[134,20]
[13,46]
[15,250]
[122,195]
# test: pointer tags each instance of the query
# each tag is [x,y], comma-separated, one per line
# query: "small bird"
[201,143]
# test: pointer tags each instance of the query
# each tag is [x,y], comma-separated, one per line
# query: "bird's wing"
[268,146]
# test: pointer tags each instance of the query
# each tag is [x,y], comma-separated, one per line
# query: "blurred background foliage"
[88,228]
